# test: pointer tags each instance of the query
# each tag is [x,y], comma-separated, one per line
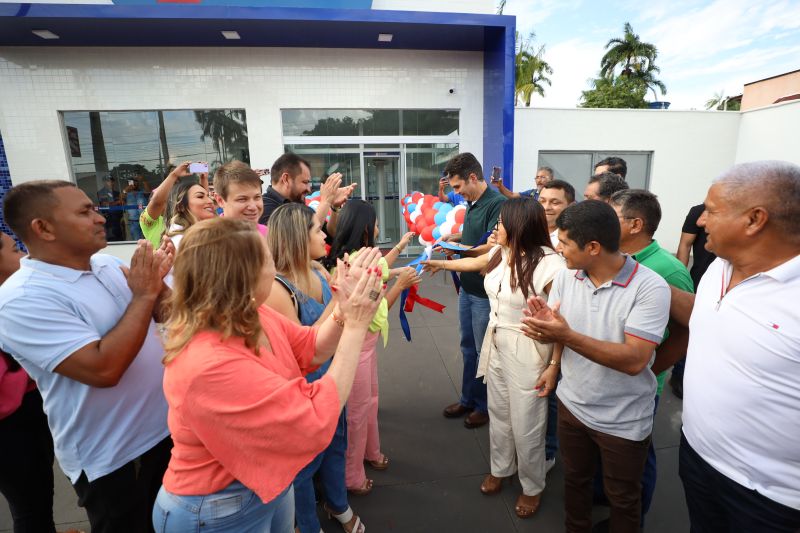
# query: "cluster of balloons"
[429,218]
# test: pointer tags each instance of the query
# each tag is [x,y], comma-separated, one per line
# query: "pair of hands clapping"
[545,325]
[358,286]
[148,267]
[333,193]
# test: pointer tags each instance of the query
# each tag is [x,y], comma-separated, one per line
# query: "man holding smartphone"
[544,175]
[451,197]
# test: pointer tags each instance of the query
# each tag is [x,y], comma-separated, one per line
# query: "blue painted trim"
[498,101]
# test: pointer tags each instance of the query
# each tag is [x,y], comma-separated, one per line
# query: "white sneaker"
[549,464]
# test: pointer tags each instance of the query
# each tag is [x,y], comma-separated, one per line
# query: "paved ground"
[436,464]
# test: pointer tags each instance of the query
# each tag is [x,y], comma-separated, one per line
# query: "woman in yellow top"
[357,227]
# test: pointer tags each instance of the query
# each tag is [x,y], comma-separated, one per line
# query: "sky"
[704,47]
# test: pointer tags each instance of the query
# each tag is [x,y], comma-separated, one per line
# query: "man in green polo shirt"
[466,178]
[639,214]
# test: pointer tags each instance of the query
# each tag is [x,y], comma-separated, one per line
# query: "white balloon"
[414,215]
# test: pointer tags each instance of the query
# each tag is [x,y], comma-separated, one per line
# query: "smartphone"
[198,168]
[496,173]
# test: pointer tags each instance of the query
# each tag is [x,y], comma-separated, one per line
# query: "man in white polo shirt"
[82,327]
[740,449]
[606,315]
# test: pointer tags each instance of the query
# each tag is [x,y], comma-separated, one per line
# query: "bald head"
[773,185]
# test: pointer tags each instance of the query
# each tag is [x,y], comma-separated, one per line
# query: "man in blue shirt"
[452,197]
[81,325]
[544,175]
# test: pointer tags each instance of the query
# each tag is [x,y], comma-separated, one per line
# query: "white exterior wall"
[770,133]
[689,149]
[37,83]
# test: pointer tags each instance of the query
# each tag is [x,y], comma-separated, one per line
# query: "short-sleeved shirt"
[272,201]
[456,199]
[636,302]
[701,257]
[235,415]
[481,217]
[741,403]
[674,273]
[49,312]
[152,229]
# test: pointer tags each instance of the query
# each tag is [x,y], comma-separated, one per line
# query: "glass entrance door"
[382,190]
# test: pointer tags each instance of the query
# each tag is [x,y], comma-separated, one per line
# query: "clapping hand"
[543,323]
[349,272]
[145,278]
[167,250]
[359,307]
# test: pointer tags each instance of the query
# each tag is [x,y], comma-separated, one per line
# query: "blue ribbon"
[417,264]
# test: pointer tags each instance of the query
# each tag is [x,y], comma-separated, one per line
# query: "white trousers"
[517,416]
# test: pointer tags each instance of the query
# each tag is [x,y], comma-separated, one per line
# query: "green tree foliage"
[627,72]
[720,102]
[531,70]
[620,92]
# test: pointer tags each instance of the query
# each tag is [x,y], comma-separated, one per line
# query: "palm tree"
[720,102]
[629,52]
[531,70]
[647,78]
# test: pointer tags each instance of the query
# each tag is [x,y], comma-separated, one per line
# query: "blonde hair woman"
[243,419]
[301,292]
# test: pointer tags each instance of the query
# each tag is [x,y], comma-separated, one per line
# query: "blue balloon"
[437,234]
[412,208]
[407,200]
[440,218]
[446,208]
[438,205]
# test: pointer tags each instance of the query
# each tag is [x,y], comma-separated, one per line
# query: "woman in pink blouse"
[243,418]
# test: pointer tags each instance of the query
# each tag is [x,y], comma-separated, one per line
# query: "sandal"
[363,490]
[351,522]
[492,484]
[380,464]
[527,505]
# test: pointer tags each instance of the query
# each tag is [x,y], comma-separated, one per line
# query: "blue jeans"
[330,465]
[234,509]
[717,503]
[677,370]
[473,315]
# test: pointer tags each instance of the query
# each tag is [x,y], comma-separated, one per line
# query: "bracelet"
[335,209]
[553,362]
[339,321]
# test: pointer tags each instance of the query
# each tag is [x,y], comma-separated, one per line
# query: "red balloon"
[430,215]
[427,234]
[416,196]
[460,215]
[455,229]
[421,224]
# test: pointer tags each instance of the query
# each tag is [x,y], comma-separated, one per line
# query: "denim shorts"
[234,509]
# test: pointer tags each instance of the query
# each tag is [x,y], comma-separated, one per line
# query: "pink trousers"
[363,441]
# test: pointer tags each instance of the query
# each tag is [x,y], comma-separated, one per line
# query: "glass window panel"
[340,122]
[424,165]
[577,167]
[136,149]
[430,121]
[326,163]
[638,167]
[574,168]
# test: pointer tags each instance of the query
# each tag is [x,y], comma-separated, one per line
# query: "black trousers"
[122,501]
[717,504]
[26,466]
